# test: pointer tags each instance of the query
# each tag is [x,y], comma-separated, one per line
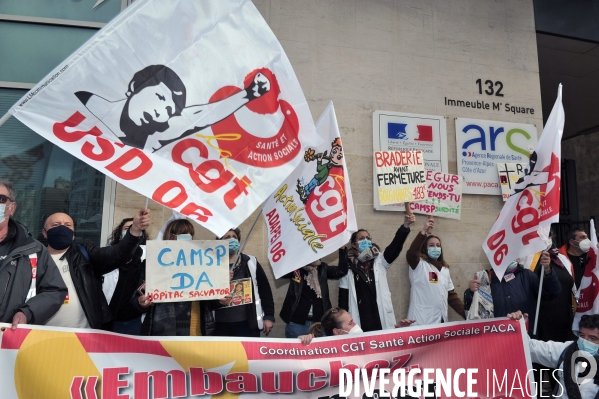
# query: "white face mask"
[356,329]
[585,245]
[2,210]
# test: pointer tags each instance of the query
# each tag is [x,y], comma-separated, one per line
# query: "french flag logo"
[397,131]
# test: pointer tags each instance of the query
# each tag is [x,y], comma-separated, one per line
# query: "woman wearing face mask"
[193,318]
[120,284]
[431,287]
[337,321]
[249,319]
[519,289]
[364,290]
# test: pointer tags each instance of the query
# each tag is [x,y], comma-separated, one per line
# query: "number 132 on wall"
[491,88]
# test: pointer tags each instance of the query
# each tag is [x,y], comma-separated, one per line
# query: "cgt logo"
[397,131]
[491,135]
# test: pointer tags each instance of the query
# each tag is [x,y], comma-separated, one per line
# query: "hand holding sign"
[409,218]
[428,226]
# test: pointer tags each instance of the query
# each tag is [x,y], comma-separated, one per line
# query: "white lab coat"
[383,295]
[428,294]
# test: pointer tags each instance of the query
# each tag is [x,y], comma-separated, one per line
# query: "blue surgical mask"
[184,237]
[233,245]
[364,244]
[124,234]
[434,252]
[587,346]
[2,210]
[511,267]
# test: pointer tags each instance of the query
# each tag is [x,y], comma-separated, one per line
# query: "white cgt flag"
[191,103]
[522,227]
[312,214]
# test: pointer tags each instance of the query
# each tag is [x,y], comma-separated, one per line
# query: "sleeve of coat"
[551,285]
[343,298]
[268,303]
[50,291]
[394,249]
[468,295]
[106,259]
[413,254]
[341,270]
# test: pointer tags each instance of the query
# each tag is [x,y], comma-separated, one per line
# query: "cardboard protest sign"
[400,176]
[179,271]
[444,196]
[509,174]
[241,292]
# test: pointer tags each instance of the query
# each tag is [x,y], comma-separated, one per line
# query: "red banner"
[483,359]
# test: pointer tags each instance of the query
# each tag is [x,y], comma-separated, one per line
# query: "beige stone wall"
[398,55]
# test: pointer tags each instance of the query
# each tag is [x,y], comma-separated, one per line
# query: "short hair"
[176,227]
[571,234]
[11,189]
[354,235]
[237,231]
[590,321]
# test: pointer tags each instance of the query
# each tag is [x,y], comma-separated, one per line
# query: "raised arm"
[413,254]
[341,270]
[393,250]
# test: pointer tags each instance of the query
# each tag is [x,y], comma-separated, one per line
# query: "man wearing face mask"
[249,319]
[564,356]
[519,289]
[31,289]
[576,252]
[82,267]
[364,291]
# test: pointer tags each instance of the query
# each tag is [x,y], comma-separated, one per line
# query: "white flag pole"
[146,205]
[534,331]
[247,237]
[4,118]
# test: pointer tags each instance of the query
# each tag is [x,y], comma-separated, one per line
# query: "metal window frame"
[108,204]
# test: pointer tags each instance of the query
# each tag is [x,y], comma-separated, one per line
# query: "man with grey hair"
[31,288]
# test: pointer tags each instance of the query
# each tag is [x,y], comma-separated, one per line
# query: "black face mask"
[60,237]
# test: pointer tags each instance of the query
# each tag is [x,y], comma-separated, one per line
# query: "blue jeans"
[131,327]
[294,330]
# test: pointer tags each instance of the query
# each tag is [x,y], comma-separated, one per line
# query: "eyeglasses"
[4,198]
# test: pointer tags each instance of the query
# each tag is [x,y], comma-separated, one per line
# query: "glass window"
[48,179]
[77,10]
[30,51]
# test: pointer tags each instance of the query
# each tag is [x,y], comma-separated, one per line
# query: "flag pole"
[4,118]
[247,237]
[534,330]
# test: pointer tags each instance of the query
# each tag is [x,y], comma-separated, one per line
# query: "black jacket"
[173,318]
[294,292]
[266,298]
[15,281]
[87,274]
[520,293]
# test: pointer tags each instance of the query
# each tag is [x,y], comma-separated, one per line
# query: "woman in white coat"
[432,289]
[364,290]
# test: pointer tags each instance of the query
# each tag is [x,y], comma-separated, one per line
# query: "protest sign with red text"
[399,176]
[444,196]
